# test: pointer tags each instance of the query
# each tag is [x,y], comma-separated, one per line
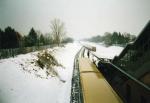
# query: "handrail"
[105,59]
[131,77]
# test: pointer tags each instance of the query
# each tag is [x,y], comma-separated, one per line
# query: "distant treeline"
[10,38]
[113,38]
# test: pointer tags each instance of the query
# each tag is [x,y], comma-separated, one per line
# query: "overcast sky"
[82,18]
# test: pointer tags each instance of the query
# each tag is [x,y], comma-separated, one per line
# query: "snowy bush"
[46,60]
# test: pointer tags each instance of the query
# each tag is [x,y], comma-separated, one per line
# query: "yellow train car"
[95,88]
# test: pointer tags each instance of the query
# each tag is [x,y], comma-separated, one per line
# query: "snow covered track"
[19,83]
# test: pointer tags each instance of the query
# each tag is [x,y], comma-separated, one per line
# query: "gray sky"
[82,18]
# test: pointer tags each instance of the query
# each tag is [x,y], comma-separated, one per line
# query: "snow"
[19,83]
[104,52]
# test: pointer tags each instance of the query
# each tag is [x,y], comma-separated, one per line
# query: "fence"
[6,53]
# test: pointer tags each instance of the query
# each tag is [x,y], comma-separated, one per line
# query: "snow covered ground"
[22,82]
[105,52]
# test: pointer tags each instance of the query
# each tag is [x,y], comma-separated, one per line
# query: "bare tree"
[58,31]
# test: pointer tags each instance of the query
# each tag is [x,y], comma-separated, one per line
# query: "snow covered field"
[21,81]
[105,52]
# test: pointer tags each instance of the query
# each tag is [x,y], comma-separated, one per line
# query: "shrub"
[46,59]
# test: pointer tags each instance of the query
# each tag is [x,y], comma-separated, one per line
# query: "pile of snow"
[21,81]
